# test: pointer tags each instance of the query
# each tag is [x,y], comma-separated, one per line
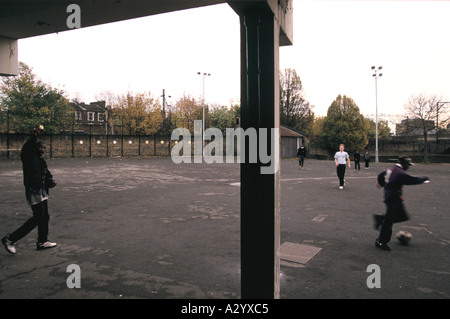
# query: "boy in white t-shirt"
[341,158]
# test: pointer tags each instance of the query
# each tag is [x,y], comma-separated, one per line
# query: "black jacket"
[36,176]
[393,180]
[301,152]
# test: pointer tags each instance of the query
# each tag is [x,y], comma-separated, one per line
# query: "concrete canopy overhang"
[27,18]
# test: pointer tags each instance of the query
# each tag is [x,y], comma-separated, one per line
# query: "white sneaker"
[9,245]
[45,245]
[341,187]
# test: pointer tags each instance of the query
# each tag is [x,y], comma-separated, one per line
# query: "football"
[404,237]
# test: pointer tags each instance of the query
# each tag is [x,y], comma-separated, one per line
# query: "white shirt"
[341,157]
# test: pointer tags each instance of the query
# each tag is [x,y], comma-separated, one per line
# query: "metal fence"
[96,145]
[77,145]
[438,150]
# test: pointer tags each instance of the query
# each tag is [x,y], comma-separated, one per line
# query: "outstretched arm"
[413,180]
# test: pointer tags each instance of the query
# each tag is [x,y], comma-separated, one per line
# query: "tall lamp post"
[204,75]
[376,75]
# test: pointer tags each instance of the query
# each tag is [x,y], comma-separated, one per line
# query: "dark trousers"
[357,166]
[340,169]
[40,219]
[301,160]
[395,213]
[367,163]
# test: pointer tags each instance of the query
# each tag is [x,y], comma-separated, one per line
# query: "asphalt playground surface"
[149,228]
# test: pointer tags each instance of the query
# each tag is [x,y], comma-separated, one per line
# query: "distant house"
[89,118]
[291,141]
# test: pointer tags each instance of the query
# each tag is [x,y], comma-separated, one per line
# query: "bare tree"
[442,115]
[295,111]
[423,112]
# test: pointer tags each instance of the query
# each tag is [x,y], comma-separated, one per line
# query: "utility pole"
[164,103]
[164,109]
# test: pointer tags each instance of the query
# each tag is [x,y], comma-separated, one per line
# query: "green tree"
[295,111]
[344,124]
[316,136]
[29,102]
[384,131]
[221,117]
[236,109]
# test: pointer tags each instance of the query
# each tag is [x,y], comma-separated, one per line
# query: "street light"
[376,75]
[204,75]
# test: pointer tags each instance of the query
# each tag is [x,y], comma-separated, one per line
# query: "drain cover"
[298,253]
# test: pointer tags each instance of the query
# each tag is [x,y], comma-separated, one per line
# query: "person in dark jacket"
[366,159]
[357,158]
[37,180]
[301,154]
[393,180]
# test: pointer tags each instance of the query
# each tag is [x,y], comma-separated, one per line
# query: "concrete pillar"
[9,60]
[260,193]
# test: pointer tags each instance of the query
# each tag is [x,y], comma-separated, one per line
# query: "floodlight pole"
[376,75]
[204,75]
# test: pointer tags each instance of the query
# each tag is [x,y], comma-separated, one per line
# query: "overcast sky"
[335,45]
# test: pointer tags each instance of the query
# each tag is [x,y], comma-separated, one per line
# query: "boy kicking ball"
[392,180]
